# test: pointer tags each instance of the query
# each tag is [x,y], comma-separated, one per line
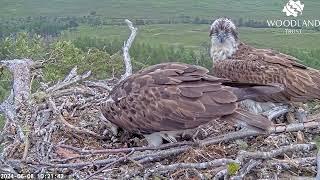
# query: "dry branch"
[246,169]
[126,48]
[149,156]
[61,119]
[277,152]
[126,150]
[122,159]
[174,167]
[20,70]
[294,127]
[318,164]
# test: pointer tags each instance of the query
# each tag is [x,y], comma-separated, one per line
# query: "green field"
[155,9]
[192,36]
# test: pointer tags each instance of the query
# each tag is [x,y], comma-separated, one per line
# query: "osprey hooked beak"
[222,37]
[223,29]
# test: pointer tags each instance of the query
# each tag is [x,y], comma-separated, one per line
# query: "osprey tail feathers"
[250,120]
[253,91]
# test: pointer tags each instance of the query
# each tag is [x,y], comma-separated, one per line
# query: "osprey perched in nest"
[164,100]
[242,63]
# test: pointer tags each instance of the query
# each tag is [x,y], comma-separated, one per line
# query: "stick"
[160,154]
[277,152]
[126,48]
[246,169]
[318,165]
[61,119]
[20,69]
[204,165]
[69,80]
[122,159]
[125,150]
[294,127]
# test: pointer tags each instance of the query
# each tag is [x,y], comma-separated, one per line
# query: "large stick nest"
[59,132]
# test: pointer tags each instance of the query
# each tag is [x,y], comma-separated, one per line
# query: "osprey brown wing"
[172,97]
[266,66]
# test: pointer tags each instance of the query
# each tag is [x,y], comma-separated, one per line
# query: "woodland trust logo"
[294,9]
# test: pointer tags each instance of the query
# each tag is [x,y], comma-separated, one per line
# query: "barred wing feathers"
[175,96]
[265,66]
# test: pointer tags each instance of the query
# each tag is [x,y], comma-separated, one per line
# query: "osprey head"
[224,39]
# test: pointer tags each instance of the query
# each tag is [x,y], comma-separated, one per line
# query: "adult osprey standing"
[164,100]
[242,63]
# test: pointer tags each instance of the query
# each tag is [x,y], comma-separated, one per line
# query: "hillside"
[154,9]
[62,64]
[192,36]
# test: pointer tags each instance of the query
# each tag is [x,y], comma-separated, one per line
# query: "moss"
[233,168]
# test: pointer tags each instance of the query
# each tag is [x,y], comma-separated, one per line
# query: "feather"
[265,66]
[174,97]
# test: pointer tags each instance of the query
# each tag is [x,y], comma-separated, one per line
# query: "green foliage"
[1,122]
[173,38]
[5,84]
[45,26]
[144,54]
[66,56]
[233,168]
[22,46]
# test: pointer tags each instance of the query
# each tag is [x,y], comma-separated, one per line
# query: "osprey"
[242,63]
[165,100]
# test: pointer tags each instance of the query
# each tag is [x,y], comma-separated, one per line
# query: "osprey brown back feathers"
[266,66]
[176,96]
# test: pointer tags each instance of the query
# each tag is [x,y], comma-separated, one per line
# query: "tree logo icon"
[293,8]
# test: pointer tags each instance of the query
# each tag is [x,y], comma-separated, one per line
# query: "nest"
[58,132]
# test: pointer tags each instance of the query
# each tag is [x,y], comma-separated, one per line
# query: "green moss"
[233,168]
[2,120]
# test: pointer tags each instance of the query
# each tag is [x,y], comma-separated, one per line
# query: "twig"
[26,147]
[221,174]
[61,119]
[98,84]
[69,80]
[204,165]
[294,127]
[246,169]
[318,164]
[277,152]
[122,159]
[126,48]
[125,150]
[160,154]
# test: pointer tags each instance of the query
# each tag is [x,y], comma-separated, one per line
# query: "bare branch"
[277,152]
[122,159]
[318,164]
[126,48]
[246,169]
[294,127]
[69,80]
[61,119]
[204,165]
[20,70]
[125,150]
